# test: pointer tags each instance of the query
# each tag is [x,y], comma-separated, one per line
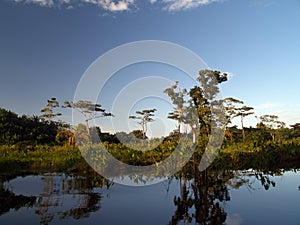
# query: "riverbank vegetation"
[41,143]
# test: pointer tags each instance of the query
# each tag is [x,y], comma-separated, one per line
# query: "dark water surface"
[226,197]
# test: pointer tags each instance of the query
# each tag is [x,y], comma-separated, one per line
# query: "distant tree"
[88,110]
[296,126]
[172,137]
[29,130]
[144,117]
[138,134]
[48,111]
[98,136]
[95,134]
[242,112]
[231,105]
[123,137]
[271,123]
[295,130]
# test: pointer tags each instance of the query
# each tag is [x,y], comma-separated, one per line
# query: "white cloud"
[176,5]
[120,5]
[109,5]
[45,3]
[70,7]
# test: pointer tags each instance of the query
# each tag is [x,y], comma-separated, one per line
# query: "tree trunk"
[243,131]
[87,127]
[273,136]
[194,135]
[144,130]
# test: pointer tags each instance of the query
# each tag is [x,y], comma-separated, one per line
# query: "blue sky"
[47,45]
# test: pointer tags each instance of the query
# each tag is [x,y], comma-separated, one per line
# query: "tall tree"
[201,105]
[209,80]
[242,112]
[88,110]
[231,105]
[144,117]
[177,96]
[48,111]
[205,97]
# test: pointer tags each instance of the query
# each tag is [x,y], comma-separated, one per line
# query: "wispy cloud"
[45,3]
[288,113]
[263,3]
[177,5]
[119,5]
[109,5]
[270,105]
[288,116]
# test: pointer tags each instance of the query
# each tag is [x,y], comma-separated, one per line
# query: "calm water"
[227,197]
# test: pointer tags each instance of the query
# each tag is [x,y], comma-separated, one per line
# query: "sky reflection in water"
[233,198]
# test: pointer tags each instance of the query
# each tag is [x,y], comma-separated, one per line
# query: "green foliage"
[295,130]
[41,158]
[209,81]
[271,124]
[139,134]
[26,130]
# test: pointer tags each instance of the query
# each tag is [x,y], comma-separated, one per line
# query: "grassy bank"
[44,158]
[41,158]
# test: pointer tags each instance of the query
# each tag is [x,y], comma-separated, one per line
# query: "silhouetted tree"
[88,110]
[144,117]
[48,111]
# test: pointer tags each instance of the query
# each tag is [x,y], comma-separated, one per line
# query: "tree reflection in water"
[200,200]
[203,194]
[9,200]
[51,202]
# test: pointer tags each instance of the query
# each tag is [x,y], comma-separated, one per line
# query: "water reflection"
[62,196]
[9,201]
[197,198]
[202,196]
